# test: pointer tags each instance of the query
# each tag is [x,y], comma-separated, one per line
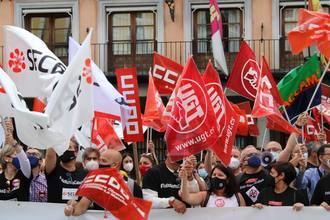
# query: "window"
[53,29]
[131,40]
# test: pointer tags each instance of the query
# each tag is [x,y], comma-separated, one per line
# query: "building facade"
[126,32]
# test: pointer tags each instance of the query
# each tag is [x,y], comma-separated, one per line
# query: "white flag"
[6,110]
[108,102]
[29,62]
[69,106]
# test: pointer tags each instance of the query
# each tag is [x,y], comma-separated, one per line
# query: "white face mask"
[306,156]
[275,155]
[328,163]
[92,165]
[234,163]
[128,167]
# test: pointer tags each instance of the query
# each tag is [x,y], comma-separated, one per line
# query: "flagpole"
[263,139]
[147,140]
[136,164]
[318,85]
[287,117]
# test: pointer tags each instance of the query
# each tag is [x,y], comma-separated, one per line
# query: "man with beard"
[62,174]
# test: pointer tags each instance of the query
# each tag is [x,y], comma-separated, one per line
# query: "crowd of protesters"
[297,175]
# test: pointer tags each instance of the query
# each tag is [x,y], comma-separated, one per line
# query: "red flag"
[325,90]
[128,87]
[244,76]
[165,73]
[104,136]
[266,106]
[226,117]
[251,122]
[38,105]
[278,123]
[154,108]
[192,126]
[313,27]
[274,90]
[107,188]
[243,127]
[311,129]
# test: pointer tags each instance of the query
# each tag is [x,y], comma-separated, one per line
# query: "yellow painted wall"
[87,18]
[6,16]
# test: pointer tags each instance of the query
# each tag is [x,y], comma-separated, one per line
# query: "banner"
[165,73]
[108,189]
[216,30]
[252,122]
[192,126]
[29,62]
[226,117]
[19,210]
[245,74]
[128,87]
[6,108]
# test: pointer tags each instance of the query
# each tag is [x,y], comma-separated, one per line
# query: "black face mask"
[272,181]
[217,184]
[104,166]
[67,156]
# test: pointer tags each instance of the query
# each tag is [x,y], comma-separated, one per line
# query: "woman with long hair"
[223,190]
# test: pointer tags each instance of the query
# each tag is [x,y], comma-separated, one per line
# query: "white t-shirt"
[221,201]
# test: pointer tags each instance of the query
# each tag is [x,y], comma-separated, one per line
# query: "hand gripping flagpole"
[318,85]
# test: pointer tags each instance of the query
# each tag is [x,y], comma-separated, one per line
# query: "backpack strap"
[206,200]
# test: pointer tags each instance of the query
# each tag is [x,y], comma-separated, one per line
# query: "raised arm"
[50,160]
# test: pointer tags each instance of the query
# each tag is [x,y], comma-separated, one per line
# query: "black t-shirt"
[62,184]
[252,184]
[322,191]
[160,179]
[16,189]
[286,198]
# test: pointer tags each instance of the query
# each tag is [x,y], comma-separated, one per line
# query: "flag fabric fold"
[192,125]
[216,31]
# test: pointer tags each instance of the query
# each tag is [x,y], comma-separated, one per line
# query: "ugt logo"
[87,71]
[189,110]
[16,61]
[249,77]
[214,91]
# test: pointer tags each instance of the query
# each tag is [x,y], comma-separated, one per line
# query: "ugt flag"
[226,117]
[107,188]
[29,62]
[245,74]
[297,87]
[192,125]
[216,30]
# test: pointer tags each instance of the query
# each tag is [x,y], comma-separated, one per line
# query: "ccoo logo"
[189,107]
[249,77]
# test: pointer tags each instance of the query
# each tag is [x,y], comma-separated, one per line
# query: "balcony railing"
[109,56]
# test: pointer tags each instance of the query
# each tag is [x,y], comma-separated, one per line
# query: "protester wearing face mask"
[280,193]
[145,163]
[91,158]
[108,159]
[299,158]
[201,170]
[128,165]
[62,174]
[312,148]
[321,195]
[161,186]
[16,176]
[235,161]
[223,191]
[38,187]
[310,177]
[253,178]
